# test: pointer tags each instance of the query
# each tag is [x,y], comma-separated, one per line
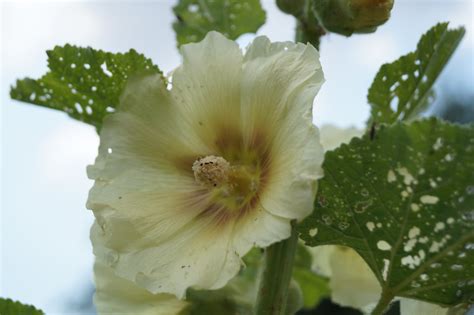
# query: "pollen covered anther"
[211,171]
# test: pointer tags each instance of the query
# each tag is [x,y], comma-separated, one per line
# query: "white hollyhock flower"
[115,295]
[353,284]
[413,307]
[188,179]
[351,280]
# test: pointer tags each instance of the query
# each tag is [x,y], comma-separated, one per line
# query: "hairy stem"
[383,303]
[308,28]
[276,276]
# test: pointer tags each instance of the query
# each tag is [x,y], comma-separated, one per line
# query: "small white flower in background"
[351,281]
[115,295]
[189,179]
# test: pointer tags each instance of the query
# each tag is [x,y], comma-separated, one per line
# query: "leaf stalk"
[383,303]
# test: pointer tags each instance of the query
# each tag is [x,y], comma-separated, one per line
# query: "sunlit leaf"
[83,82]
[402,89]
[9,307]
[403,199]
[195,18]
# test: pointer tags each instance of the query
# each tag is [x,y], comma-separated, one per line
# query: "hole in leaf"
[394,103]
[193,8]
[89,110]
[105,70]
[78,108]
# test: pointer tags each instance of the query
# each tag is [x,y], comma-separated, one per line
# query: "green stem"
[276,276]
[308,28]
[383,303]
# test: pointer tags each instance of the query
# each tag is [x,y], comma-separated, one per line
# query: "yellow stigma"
[211,171]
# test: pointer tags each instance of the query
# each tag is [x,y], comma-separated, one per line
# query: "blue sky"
[46,254]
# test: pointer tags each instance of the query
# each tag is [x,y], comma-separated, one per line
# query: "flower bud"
[352,16]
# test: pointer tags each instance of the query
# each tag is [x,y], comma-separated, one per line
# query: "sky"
[46,256]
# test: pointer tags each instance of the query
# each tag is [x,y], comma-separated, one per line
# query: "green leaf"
[195,18]
[10,307]
[403,199]
[313,286]
[83,82]
[402,89]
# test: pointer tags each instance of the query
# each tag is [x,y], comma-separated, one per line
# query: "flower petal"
[206,88]
[141,176]
[410,307]
[200,255]
[352,282]
[259,228]
[138,134]
[291,188]
[157,201]
[279,83]
[115,295]
[321,262]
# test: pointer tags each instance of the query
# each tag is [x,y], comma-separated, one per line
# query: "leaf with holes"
[404,201]
[9,307]
[83,82]
[402,89]
[195,18]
